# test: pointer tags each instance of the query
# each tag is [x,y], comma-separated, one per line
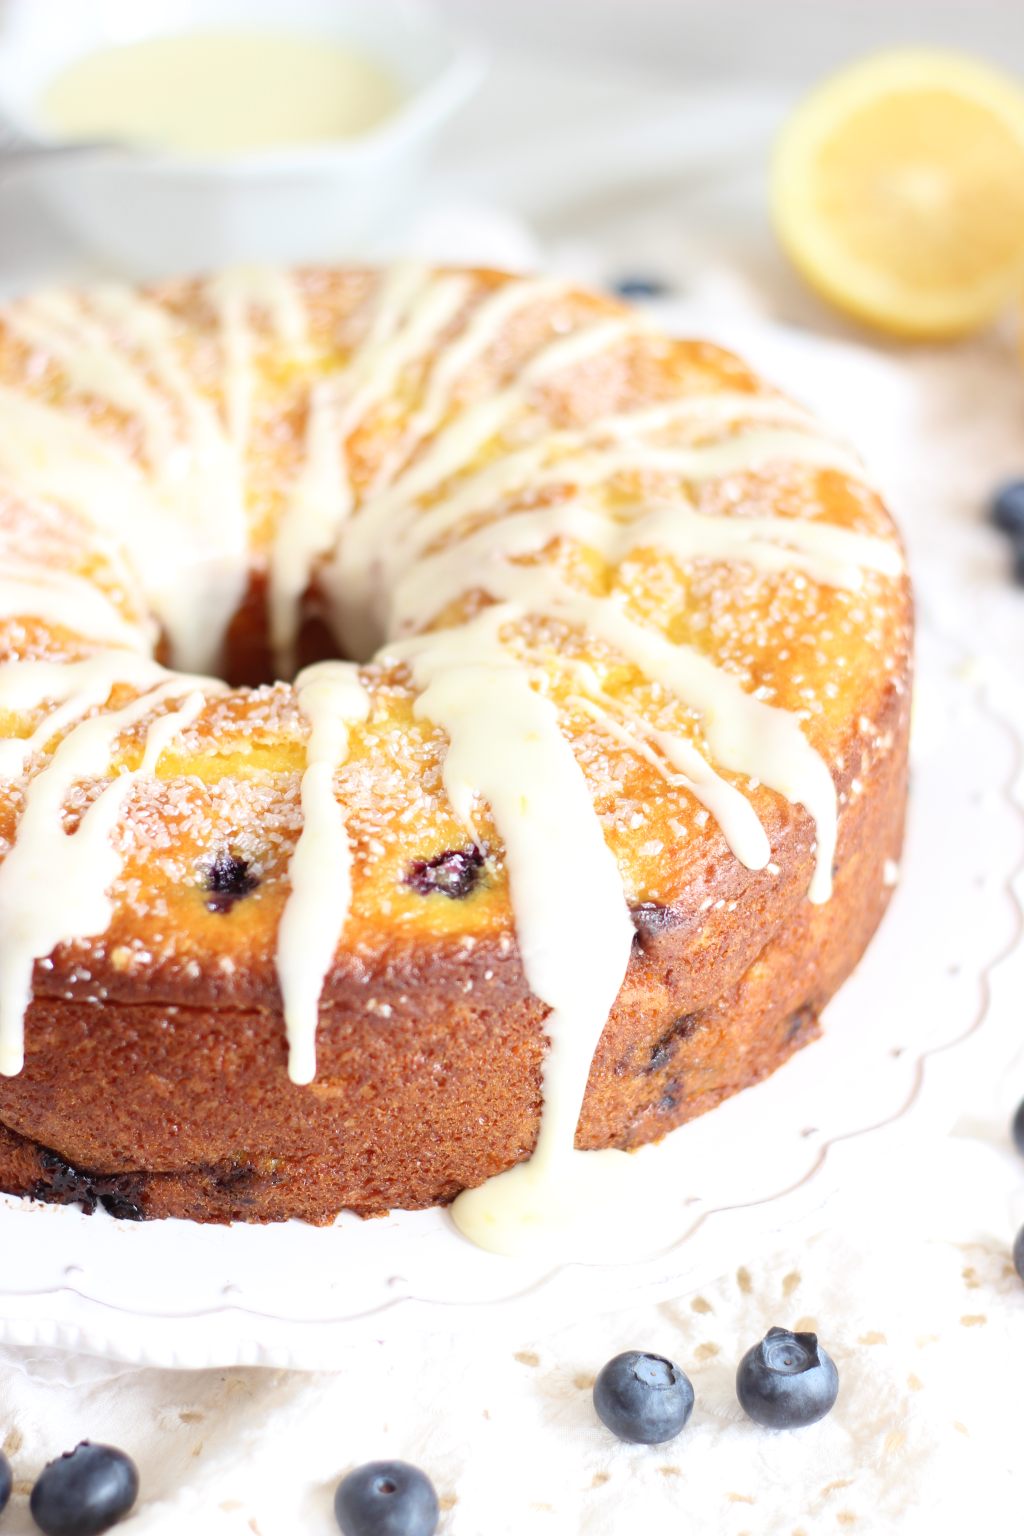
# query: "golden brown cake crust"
[208,1128]
[155,1075]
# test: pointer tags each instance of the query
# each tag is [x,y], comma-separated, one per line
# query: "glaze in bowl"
[152,213]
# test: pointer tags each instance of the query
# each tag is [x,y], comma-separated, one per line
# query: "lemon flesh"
[898,191]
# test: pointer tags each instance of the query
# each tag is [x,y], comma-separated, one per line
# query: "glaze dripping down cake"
[577,839]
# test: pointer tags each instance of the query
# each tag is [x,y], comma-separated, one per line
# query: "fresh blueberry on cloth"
[643,1398]
[1007,508]
[1017,1127]
[1018,1253]
[85,1491]
[787,1380]
[386,1498]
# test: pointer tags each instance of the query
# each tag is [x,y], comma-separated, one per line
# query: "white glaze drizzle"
[484,327]
[55,456]
[702,411]
[331,698]
[72,688]
[57,323]
[233,295]
[193,567]
[411,314]
[209,475]
[833,556]
[745,734]
[70,602]
[502,746]
[456,445]
[533,468]
[731,809]
[362,564]
[506,746]
[55,887]
[471,688]
[390,533]
[270,289]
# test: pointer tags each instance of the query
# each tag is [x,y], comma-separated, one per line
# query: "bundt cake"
[577,840]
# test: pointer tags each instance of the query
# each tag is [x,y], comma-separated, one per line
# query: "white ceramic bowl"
[153,214]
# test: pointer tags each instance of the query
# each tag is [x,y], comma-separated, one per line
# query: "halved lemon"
[898,191]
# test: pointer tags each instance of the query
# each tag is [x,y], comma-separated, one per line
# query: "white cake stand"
[930,1005]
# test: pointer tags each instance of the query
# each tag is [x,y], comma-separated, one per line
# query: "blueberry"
[1007,507]
[643,1398]
[228,879]
[1018,1253]
[1017,1128]
[453,873]
[640,286]
[85,1491]
[1018,558]
[386,1498]
[787,1380]
[6,1481]
[62,1184]
[651,918]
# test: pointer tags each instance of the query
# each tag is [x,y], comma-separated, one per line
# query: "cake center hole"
[249,660]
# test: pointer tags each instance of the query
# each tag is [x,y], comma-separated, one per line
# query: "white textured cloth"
[910,1288]
[909,1285]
